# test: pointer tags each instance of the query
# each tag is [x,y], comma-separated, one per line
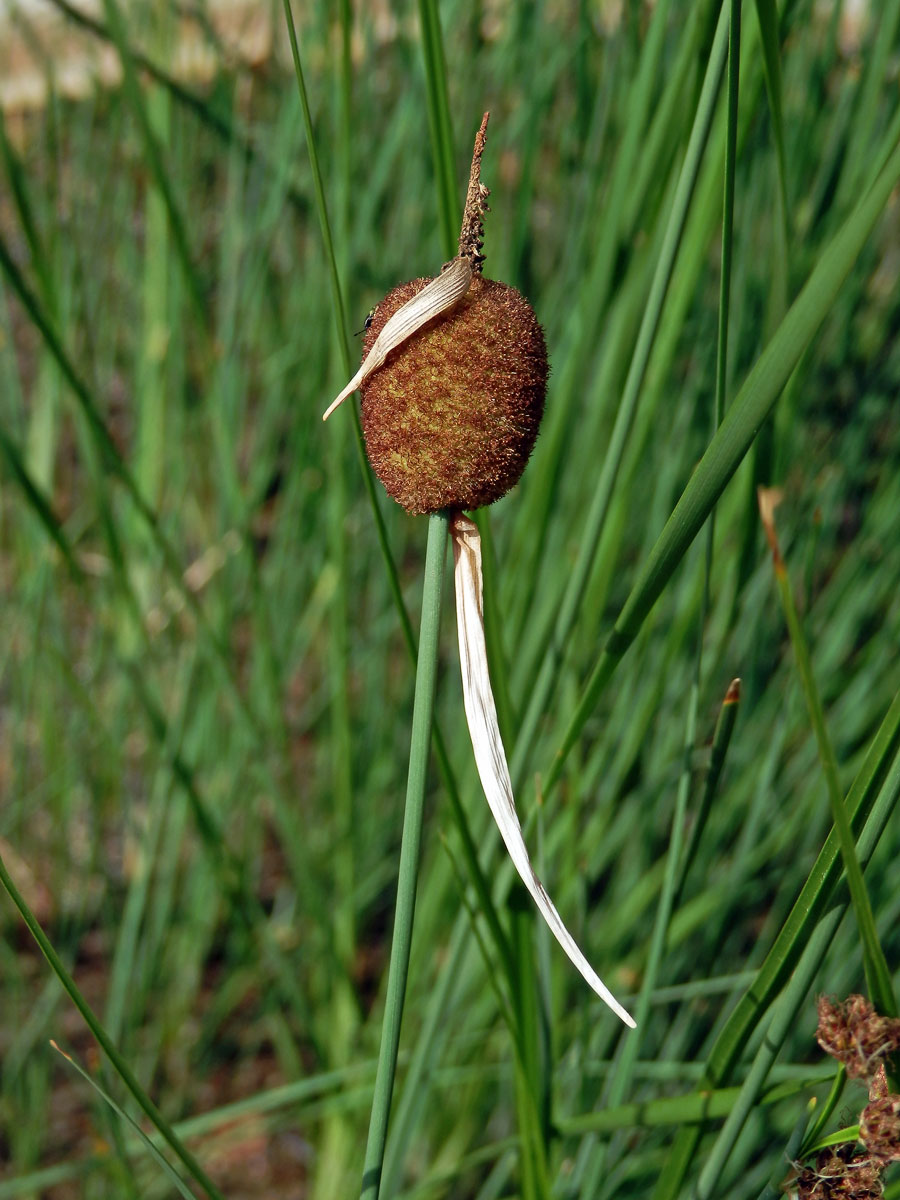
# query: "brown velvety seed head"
[452,416]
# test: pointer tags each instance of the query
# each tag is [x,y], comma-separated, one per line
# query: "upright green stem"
[423,710]
[878,975]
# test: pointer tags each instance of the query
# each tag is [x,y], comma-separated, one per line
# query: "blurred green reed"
[209,605]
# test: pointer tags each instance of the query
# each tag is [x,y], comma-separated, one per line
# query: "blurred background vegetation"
[205,686]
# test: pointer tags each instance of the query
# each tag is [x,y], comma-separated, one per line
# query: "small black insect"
[369,319]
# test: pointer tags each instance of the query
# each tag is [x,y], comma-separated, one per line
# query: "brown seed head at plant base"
[452,416]
[879,1122]
[838,1174]
[856,1035]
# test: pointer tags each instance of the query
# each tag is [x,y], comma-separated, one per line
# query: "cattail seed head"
[452,416]
[452,382]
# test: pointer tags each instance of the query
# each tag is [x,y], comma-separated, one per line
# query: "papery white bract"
[490,757]
[441,294]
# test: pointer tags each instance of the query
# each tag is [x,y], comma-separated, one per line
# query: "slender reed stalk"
[878,976]
[674,865]
[423,711]
[599,507]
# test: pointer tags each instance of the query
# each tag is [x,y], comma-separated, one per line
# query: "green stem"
[423,711]
[439,123]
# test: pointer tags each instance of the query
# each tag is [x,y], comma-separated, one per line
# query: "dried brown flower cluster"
[859,1038]
[839,1173]
[855,1034]
[879,1124]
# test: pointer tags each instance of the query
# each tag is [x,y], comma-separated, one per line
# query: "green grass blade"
[173,1177]
[38,502]
[599,506]
[767,13]
[118,1062]
[824,1114]
[154,157]
[878,976]
[752,405]
[694,1108]
[731,136]
[337,298]
[725,723]
[793,936]
[18,186]
[532,1084]
[439,124]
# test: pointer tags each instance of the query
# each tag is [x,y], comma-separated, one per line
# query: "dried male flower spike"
[453,382]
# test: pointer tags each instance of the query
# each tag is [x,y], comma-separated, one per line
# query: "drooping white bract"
[490,757]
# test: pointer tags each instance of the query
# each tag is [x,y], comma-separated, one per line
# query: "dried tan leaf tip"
[453,378]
